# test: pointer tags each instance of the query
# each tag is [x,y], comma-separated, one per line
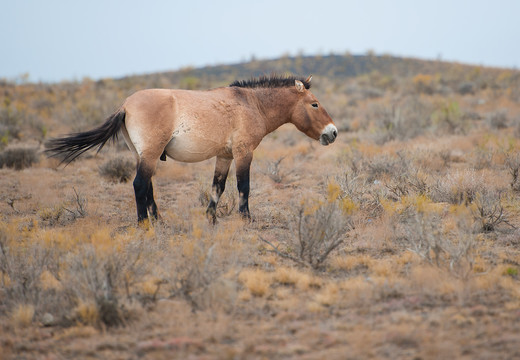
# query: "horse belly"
[191,148]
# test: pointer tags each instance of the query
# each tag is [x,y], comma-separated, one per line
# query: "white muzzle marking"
[328,135]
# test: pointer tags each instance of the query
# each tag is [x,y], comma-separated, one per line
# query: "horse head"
[310,117]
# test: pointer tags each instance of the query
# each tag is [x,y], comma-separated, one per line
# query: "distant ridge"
[334,67]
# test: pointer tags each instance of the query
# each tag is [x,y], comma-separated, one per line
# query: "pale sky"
[56,40]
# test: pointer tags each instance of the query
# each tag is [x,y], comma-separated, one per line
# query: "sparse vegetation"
[276,171]
[118,169]
[18,158]
[401,237]
[319,228]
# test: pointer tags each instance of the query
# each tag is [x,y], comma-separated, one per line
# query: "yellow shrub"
[5,280]
[315,307]
[51,214]
[432,280]
[102,241]
[328,296]
[357,288]
[287,276]
[424,83]
[350,262]
[49,281]
[150,286]
[348,206]
[383,268]
[87,313]
[22,315]
[308,281]
[257,281]
[407,257]
[333,191]
[76,332]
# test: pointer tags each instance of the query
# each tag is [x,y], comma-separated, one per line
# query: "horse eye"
[314,105]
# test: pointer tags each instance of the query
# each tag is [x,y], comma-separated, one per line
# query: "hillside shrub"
[118,169]
[405,118]
[320,227]
[497,119]
[448,245]
[448,118]
[466,88]
[18,158]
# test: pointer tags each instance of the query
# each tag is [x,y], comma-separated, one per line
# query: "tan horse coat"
[191,126]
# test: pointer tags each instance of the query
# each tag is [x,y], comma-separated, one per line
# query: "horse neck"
[276,104]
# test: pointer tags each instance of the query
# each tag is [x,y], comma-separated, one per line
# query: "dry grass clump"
[93,276]
[118,169]
[87,313]
[287,275]
[257,281]
[295,277]
[22,315]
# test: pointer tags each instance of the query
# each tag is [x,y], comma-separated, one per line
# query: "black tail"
[70,147]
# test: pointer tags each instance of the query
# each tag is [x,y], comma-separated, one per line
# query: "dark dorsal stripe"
[273,81]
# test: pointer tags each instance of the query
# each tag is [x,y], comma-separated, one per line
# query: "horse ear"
[308,81]
[299,86]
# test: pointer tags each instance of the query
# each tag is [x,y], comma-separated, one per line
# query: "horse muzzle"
[328,135]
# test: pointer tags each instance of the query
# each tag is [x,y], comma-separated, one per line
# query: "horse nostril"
[335,133]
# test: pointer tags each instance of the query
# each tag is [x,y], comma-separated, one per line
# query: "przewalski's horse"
[192,126]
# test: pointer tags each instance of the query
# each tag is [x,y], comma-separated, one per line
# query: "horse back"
[187,125]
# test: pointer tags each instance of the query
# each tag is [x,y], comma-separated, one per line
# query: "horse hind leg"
[143,189]
[219,184]
[147,155]
[150,203]
[142,184]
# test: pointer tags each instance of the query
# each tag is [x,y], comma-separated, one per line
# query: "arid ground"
[399,241]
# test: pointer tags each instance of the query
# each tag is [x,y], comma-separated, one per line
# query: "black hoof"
[211,214]
[246,217]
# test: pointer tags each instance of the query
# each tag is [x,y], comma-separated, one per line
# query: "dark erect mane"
[273,81]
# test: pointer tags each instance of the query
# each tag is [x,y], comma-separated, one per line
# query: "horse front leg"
[243,165]
[219,184]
